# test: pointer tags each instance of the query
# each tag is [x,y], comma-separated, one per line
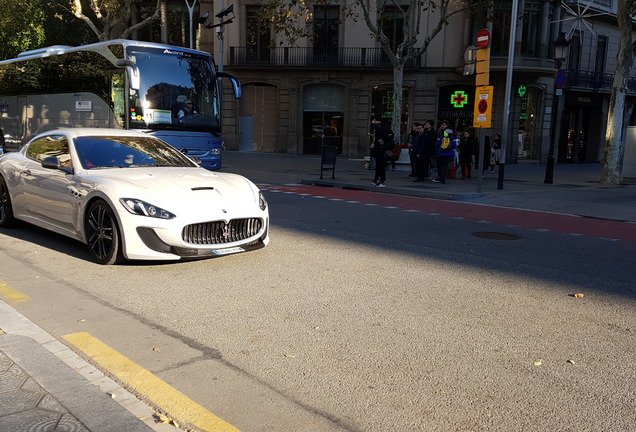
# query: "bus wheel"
[6,210]
[102,234]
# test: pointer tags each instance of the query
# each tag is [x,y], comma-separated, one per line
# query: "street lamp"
[226,16]
[191,14]
[561,47]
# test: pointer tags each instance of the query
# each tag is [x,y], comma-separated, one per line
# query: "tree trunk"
[613,150]
[398,84]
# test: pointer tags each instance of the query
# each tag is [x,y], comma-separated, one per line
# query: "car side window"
[50,145]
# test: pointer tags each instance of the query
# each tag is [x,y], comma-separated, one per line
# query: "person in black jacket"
[424,149]
[466,149]
[379,151]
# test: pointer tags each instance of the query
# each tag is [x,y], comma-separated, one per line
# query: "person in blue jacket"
[445,147]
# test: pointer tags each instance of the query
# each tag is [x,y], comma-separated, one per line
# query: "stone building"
[323,89]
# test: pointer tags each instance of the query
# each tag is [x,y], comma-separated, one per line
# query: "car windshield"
[127,152]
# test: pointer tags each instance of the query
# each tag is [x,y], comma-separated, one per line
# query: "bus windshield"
[177,90]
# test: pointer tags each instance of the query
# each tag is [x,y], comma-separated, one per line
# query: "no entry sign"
[483,38]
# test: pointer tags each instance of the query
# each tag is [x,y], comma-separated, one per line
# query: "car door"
[47,192]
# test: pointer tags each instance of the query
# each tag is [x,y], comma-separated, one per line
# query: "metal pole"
[480,160]
[221,30]
[505,135]
[549,166]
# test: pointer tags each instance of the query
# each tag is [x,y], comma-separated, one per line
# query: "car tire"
[6,209]
[102,234]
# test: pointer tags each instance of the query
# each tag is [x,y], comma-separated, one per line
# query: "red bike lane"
[564,223]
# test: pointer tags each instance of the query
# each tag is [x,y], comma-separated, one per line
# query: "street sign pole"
[482,118]
[483,97]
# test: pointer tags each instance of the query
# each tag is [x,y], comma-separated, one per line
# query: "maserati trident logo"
[226,230]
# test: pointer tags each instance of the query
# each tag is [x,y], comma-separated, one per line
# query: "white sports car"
[129,195]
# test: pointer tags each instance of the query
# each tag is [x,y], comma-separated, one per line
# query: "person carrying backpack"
[445,146]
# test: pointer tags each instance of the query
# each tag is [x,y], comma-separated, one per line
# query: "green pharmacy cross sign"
[459,99]
[522,91]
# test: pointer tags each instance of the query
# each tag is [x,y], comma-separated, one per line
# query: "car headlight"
[142,208]
[262,202]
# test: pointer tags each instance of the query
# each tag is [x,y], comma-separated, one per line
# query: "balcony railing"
[375,57]
[311,57]
[589,79]
[594,80]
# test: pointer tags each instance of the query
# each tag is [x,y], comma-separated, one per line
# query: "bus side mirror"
[133,72]
[236,84]
[133,75]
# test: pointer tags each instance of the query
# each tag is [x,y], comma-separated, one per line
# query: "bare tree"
[412,46]
[614,149]
[111,19]
[284,17]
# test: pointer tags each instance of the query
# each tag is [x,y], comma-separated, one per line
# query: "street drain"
[492,235]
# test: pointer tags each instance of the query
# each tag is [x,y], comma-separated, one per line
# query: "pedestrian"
[426,150]
[414,133]
[379,151]
[496,147]
[395,155]
[445,146]
[466,149]
[417,149]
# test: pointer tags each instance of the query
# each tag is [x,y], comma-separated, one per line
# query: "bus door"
[13,122]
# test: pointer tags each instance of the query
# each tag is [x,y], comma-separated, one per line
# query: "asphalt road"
[366,316]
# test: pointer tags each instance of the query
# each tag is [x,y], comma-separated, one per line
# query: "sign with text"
[482,115]
[483,38]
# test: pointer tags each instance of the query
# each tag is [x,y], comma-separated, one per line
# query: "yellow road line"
[176,404]
[12,294]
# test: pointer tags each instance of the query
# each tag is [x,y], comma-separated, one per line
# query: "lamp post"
[561,47]
[226,16]
[191,14]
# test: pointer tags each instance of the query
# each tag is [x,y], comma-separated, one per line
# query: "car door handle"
[26,172]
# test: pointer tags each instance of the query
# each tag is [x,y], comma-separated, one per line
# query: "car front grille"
[221,232]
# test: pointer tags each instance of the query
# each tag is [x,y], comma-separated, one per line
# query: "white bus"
[116,84]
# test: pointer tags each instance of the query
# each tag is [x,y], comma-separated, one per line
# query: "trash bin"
[328,156]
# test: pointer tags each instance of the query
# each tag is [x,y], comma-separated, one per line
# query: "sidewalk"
[575,190]
[45,387]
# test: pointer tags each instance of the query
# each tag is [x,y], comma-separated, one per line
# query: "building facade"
[323,89]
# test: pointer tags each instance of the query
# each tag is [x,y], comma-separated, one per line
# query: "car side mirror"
[53,162]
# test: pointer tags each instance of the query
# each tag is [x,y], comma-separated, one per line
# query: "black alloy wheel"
[102,234]
[6,210]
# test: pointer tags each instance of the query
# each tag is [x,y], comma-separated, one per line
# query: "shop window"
[383,105]
[323,117]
